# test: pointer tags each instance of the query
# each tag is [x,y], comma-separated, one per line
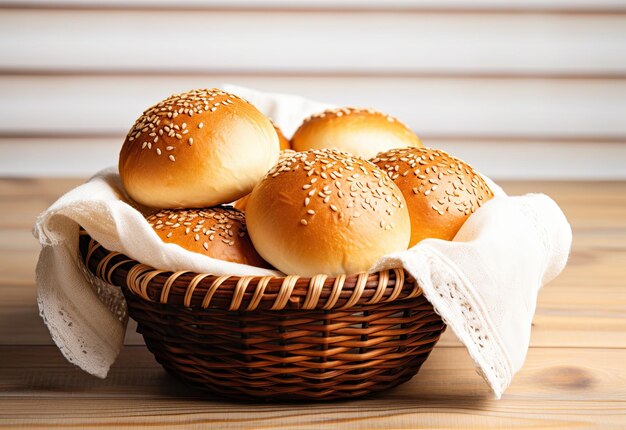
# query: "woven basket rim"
[245,293]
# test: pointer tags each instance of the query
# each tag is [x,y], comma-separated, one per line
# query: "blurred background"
[522,89]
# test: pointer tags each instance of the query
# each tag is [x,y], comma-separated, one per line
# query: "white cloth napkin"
[484,284]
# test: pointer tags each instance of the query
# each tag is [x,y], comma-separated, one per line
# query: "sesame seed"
[303,222]
[172,158]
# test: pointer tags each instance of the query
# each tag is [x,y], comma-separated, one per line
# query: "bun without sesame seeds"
[441,191]
[362,132]
[218,232]
[326,211]
[242,202]
[283,142]
[201,148]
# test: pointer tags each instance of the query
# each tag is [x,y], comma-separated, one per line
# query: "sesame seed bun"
[362,132]
[218,232]
[197,149]
[242,202]
[282,140]
[441,191]
[326,212]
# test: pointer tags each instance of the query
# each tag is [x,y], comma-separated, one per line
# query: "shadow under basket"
[276,338]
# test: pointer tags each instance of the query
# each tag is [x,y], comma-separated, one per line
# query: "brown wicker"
[276,338]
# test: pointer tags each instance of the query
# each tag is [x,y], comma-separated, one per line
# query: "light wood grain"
[554,384]
[549,374]
[574,375]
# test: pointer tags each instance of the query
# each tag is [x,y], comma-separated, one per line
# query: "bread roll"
[196,149]
[362,132]
[242,202]
[283,142]
[441,191]
[218,232]
[326,212]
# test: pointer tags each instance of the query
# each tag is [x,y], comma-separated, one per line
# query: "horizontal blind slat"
[499,160]
[565,5]
[106,105]
[213,41]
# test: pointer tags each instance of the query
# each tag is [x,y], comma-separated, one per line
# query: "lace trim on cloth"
[460,310]
[109,295]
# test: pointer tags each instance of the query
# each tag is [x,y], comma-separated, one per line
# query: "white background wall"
[520,89]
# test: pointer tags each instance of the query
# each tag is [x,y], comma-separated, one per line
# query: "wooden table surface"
[574,376]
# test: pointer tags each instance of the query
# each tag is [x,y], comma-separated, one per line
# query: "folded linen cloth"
[484,284]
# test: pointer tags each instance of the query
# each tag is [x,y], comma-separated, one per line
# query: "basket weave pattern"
[276,338]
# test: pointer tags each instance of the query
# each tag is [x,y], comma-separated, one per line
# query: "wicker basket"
[276,338]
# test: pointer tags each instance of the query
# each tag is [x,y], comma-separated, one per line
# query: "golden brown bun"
[362,132]
[196,149]
[441,191]
[218,232]
[326,212]
[282,140]
[242,202]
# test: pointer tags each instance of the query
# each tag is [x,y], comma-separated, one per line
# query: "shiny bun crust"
[218,232]
[326,212]
[197,149]
[243,202]
[283,142]
[441,191]
[362,132]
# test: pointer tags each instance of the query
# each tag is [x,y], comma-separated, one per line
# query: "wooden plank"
[419,413]
[227,40]
[556,387]
[452,108]
[596,374]
[81,156]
